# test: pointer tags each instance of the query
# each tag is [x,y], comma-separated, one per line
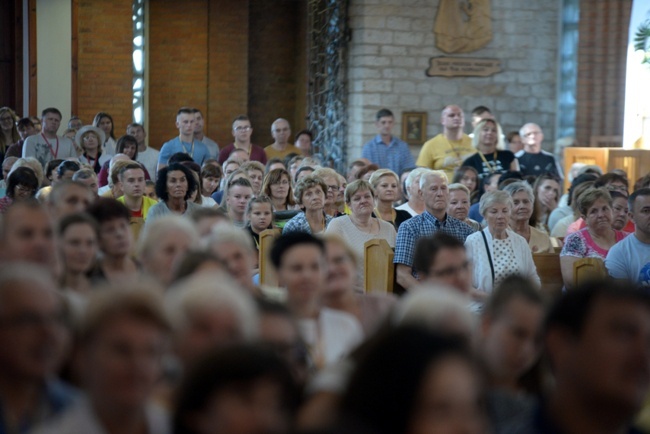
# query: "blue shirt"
[199,154]
[425,225]
[396,156]
[299,223]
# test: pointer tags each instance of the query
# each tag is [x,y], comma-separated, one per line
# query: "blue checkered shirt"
[299,223]
[425,225]
[396,156]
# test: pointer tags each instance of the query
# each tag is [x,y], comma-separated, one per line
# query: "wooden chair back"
[549,272]
[586,269]
[267,272]
[379,270]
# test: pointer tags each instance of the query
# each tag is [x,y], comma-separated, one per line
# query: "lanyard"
[184,149]
[52,151]
[489,166]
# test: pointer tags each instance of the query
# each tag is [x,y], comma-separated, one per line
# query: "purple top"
[257,153]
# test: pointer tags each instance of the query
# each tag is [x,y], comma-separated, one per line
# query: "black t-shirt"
[500,165]
[536,164]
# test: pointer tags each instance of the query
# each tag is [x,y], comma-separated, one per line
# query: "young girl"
[259,214]
[468,176]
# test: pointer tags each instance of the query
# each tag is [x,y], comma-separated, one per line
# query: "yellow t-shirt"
[441,153]
[271,152]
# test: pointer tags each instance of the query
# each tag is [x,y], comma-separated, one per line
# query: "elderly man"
[448,150]
[434,191]
[532,159]
[32,338]
[280,148]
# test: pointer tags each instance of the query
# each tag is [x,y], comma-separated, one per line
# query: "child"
[259,214]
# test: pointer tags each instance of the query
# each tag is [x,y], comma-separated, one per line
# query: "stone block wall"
[393,40]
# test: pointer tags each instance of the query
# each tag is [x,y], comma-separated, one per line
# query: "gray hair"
[494,197]
[216,291]
[432,174]
[226,233]
[157,228]
[519,186]
[458,186]
[414,176]
[437,308]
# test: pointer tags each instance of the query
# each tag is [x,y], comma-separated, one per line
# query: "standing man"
[132,183]
[532,159]
[386,150]
[242,131]
[148,156]
[280,148]
[448,150]
[185,142]
[213,147]
[630,259]
[433,188]
[47,145]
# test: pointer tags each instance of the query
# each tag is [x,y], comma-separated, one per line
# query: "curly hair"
[161,182]
[306,183]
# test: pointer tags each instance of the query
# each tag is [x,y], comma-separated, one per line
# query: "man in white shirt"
[630,258]
[47,145]
[147,155]
[213,147]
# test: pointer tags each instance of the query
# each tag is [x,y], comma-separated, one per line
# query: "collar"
[379,141]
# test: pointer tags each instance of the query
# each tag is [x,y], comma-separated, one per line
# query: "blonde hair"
[33,164]
[356,186]
[377,174]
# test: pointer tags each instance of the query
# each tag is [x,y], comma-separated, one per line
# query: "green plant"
[642,41]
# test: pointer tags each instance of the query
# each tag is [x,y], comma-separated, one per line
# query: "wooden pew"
[549,272]
[379,270]
[267,273]
[586,269]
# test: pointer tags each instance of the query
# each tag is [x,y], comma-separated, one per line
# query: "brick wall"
[105,71]
[393,41]
[602,57]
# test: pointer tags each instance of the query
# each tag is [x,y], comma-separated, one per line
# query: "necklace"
[52,151]
[191,152]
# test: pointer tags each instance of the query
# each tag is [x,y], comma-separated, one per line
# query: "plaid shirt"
[425,225]
[299,223]
[396,156]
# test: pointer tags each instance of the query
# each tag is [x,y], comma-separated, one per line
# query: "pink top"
[581,245]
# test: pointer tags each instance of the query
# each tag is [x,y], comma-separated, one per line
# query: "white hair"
[433,174]
[159,227]
[215,290]
[436,307]
[226,233]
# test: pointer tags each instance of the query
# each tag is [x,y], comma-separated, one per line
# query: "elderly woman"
[360,225]
[458,206]
[386,185]
[488,159]
[331,179]
[497,251]
[595,240]
[21,185]
[310,194]
[415,204]
[162,245]
[523,201]
[90,140]
[174,188]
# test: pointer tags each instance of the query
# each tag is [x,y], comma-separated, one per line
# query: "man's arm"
[163,158]
[404,276]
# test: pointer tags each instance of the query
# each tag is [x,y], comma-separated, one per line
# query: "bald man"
[532,159]
[447,150]
[280,148]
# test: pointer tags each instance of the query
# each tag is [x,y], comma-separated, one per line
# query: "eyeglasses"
[240,129]
[6,118]
[332,187]
[451,271]
[24,189]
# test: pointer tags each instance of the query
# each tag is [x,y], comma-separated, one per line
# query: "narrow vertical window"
[138,61]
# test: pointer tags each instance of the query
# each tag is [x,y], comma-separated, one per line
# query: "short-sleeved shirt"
[629,259]
[441,153]
[149,159]
[256,154]
[37,146]
[299,223]
[491,165]
[213,147]
[271,152]
[537,164]
[425,225]
[581,245]
[196,149]
[395,156]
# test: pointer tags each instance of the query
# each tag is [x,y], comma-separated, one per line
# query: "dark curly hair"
[161,182]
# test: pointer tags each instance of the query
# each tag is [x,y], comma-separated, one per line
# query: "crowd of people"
[130,295]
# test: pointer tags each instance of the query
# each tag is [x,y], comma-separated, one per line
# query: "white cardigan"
[476,252]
